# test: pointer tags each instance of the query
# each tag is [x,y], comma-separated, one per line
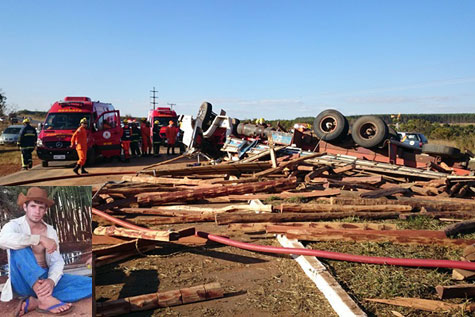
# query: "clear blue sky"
[275,59]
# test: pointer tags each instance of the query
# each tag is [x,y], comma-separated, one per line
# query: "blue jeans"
[25,271]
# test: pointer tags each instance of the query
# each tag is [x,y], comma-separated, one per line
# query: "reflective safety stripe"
[27,148]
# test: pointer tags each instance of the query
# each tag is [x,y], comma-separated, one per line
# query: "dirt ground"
[255,284]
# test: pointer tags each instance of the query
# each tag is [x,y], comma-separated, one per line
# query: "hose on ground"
[309,252]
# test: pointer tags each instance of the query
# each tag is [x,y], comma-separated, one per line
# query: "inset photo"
[45,251]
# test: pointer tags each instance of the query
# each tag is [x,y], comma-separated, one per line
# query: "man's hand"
[45,287]
[49,244]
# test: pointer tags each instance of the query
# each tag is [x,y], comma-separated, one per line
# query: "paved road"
[65,169]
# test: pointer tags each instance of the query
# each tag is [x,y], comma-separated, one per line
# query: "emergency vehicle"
[163,115]
[103,130]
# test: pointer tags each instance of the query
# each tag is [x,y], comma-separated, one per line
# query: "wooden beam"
[203,193]
[286,207]
[340,301]
[223,219]
[286,195]
[261,227]
[161,299]
[455,291]
[423,304]
[395,236]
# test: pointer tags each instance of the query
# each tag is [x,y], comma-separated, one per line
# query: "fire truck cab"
[103,130]
[163,115]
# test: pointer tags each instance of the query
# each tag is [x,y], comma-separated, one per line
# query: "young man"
[35,264]
[79,141]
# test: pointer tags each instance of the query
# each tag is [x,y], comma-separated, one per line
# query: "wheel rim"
[368,131]
[328,124]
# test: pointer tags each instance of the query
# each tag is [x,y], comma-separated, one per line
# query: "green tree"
[3,103]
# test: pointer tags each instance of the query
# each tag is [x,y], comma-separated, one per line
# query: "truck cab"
[103,130]
[163,115]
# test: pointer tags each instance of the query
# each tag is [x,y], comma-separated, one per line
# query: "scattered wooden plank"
[155,235]
[224,219]
[455,291]
[422,304]
[384,192]
[467,226]
[340,301]
[161,299]
[286,195]
[285,164]
[286,207]
[461,275]
[183,210]
[428,237]
[203,193]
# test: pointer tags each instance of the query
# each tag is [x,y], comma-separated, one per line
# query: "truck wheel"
[330,125]
[44,163]
[437,149]
[369,131]
[205,114]
[91,157]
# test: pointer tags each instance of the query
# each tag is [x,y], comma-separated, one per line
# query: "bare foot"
[46,302]
[32,305]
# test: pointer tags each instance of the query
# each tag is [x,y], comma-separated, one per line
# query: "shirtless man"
[35,264]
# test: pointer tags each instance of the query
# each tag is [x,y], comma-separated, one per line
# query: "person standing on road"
[171,133]
[27,143]
[156,138]
[145,130]
[125,140]
[79,141]
[134,143]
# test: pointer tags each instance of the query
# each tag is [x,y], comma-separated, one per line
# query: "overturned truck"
[369,138]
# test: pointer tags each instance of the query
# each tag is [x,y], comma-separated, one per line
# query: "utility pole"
[153,101]
[171,105]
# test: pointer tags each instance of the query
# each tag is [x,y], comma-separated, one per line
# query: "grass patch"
[379,281]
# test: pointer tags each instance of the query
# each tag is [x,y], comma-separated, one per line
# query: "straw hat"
[35,193]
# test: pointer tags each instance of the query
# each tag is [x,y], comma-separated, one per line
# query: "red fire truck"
[163,115]
[103,131]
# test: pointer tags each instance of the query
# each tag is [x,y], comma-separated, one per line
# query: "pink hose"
[341,256]
[318,253]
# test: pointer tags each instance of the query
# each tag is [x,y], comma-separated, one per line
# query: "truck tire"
[437,149]
[44,163]
[91,157]
[330,125]
[206,115]
[369,131]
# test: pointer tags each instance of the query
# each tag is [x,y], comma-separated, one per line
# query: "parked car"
[413,138]
[10,135]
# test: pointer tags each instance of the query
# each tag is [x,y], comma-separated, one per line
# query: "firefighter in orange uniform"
[125,139]
[171,134]
[79,141]
[146,143]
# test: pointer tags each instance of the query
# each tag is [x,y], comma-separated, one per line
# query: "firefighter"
[146,144]
[79,141]
[156,139]
[171,133]
[27,142]
[125,140]
[134,143]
